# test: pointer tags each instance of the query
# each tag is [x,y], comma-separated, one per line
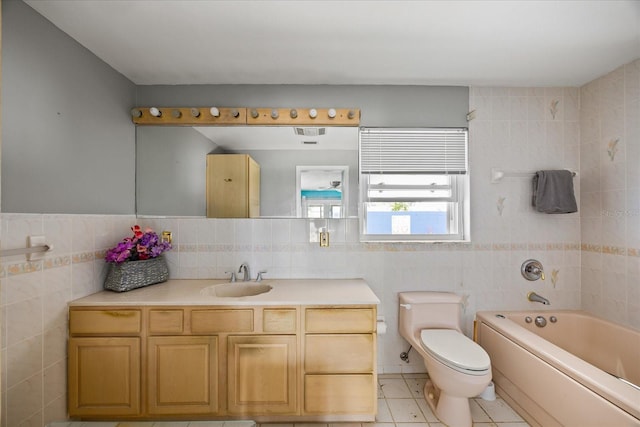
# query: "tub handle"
[407,306]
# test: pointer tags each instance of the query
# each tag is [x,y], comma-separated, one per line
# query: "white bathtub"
[565,373]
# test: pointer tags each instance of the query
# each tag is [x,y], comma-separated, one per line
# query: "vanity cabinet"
[233,186]
[269,363]
[104,374]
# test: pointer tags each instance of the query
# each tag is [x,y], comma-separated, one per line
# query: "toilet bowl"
[458,367]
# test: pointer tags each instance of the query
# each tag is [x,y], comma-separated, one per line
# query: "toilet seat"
[455,350]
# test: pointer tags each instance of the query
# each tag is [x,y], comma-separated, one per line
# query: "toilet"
[458,367]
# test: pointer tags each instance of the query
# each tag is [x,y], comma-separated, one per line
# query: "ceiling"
[242,138]
[475,43]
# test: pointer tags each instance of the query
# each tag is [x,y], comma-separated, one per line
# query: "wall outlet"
[324,239]
[167,236]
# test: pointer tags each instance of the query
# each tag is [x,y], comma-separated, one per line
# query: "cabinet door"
[104,376]
[339,394]
[262,374]
[227,186]
[182,375]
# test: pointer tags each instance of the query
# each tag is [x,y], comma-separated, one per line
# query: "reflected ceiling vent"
[309,131]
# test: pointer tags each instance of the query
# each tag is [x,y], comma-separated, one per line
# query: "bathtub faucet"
[532,296]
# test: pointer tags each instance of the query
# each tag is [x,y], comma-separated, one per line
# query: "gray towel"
[553,192]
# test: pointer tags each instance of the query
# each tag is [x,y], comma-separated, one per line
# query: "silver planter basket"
[136,274]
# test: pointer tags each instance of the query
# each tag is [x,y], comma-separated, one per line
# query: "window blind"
[419,150]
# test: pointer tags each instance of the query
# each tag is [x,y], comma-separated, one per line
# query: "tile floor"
[400,404]
[401,401]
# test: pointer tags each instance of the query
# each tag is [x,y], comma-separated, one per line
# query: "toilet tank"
[428,310]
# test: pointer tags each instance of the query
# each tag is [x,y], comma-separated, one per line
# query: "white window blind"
[426,150]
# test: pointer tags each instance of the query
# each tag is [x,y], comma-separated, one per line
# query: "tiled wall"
[34,297]
[610,192]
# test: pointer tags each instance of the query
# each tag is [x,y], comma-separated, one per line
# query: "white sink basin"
[235,290]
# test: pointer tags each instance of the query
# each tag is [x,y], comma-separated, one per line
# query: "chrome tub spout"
[532,296]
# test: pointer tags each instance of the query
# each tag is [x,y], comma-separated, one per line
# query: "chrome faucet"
[532,296]
[247,273]
[532,270]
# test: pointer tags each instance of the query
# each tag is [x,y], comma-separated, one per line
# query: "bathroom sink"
[235,290]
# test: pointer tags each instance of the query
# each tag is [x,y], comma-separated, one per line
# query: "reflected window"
[321,191]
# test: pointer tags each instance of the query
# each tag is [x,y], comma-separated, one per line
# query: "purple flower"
[139,247]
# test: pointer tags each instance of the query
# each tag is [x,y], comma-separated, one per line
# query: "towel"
[553,192]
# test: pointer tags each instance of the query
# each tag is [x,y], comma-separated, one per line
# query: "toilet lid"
[455,350]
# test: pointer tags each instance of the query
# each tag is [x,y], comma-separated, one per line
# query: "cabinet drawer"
[120,322]
[344,353]
[340,320]
[339,394]
[214,321]
[166,321]
[281,320]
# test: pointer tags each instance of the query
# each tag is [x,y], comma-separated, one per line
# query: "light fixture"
[332,113]
[274,114]
[155,112]
[176,113]
[235,113]
[136,112]
[293,113]
[195,112]
[313,113]
[214,112]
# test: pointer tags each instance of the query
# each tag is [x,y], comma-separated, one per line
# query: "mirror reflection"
[171,167]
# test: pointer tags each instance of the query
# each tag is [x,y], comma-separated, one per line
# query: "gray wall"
[171,165]
[394,106]
[68,140]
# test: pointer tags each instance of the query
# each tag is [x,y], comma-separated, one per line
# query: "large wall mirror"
[171,166]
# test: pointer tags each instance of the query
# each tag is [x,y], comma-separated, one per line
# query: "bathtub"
[575,371]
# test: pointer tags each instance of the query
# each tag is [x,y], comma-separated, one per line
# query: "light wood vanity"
[305,351]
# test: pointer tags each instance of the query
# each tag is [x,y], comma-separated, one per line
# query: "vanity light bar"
[304,116]
[208,116]
[189,116]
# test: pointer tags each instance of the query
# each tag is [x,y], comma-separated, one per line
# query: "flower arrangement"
[143,245]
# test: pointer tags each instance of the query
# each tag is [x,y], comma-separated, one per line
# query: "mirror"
[171,165]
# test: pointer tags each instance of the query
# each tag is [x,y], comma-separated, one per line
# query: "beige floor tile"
[394,388]
[416,386]
[384,415]
[405,411]
[499,411]
[426,411]
[478,415]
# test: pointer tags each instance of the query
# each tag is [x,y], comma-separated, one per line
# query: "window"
[414,184]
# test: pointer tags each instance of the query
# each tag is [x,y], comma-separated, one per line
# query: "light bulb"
[155,112]
[332,113]
[235,113]
[136,112]
[254,113]
[293,113]
[274,114]
[214,112]
[176,113]
[351,114]
[195,112]
[313,113]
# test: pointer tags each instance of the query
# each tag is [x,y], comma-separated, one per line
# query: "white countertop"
[284,292]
